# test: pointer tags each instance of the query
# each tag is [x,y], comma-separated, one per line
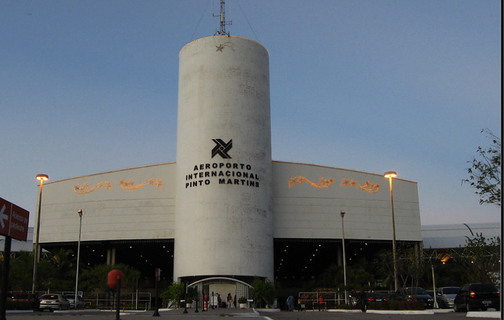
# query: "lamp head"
[79,212]
[390,174]
[42,177]
[342,212]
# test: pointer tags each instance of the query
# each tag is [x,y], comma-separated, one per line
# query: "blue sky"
[91,86]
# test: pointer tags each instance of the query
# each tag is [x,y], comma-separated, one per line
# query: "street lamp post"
[78,257]
[36,248]
[390,175]
[344,255]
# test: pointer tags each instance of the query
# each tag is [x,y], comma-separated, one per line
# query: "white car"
[54,302]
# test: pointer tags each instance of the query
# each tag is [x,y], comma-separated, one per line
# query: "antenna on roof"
[223,21]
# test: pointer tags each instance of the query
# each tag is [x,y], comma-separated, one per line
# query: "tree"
[96,278]
[358,278]
[56,272]
[59,270]
[484,173]
[264,292]
[21,271]
[410,266]
[174,294]
[480,258]
[331,277]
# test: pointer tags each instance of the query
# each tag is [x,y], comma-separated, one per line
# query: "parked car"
[28,297]
[439,300]
[415,294]
[475,296]
[365,298]
[445,296]
[71,298]
[54,302]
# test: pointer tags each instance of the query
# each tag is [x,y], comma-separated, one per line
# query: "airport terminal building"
[225,212]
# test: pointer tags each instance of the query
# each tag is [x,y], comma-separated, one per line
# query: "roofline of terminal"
[174,162]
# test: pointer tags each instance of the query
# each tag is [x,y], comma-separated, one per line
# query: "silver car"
[80,302]
[54,302]
[447,295]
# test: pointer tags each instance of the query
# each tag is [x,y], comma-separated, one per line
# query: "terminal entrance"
[217,289]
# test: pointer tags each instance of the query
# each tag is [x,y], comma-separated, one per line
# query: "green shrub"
[174,294]
[264,292]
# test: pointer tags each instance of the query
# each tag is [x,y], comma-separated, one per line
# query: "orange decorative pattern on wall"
[128,185]
[326,183]
[323,183]
[368,186]
[86,189]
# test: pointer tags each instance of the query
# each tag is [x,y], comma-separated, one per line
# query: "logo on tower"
[223,172]
[221,148]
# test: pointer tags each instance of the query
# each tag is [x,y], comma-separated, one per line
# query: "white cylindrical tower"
[223,215]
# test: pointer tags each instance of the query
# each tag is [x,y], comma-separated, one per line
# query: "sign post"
[13,224]
[114,281]
[5,277]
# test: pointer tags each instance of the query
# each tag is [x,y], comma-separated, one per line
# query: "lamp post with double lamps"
[78,258]
[390,175]
[344,255]
[36,247]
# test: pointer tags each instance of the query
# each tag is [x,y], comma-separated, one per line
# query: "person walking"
[300,306]
[290,303]
[229,300]
[213,301]
[320,302]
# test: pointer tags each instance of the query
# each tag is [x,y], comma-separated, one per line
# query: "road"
[237,313]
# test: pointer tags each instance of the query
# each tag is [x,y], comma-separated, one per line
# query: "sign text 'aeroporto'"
[222,173]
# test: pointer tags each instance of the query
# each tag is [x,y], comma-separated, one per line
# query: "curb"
[484,314]
[404,312]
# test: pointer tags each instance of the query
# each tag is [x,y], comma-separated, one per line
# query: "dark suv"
[477,296]
[415,294]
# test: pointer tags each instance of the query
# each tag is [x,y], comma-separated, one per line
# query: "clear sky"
[91,86]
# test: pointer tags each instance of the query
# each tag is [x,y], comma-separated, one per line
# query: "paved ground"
[243,314]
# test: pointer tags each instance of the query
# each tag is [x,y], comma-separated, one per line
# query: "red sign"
[13,220]
[113,276]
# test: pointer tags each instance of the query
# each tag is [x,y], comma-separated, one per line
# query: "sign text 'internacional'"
[222,173]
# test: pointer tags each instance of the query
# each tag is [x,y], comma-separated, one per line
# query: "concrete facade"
[144,208]
[223,193]
[225,202]
[147,211]
[137,203]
